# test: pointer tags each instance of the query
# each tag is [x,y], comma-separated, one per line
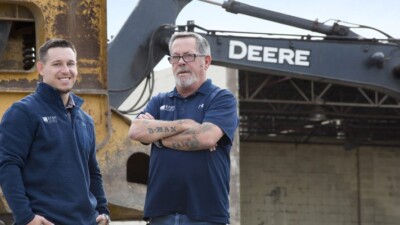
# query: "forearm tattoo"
[190,144]
[161,130]
[191,141]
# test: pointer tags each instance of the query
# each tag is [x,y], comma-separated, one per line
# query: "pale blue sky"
[382,14]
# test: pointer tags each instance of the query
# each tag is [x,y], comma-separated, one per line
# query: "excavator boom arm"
[366,63]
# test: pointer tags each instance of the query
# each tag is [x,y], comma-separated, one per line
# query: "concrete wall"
[284,184]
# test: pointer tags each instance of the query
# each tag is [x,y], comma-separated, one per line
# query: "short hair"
[54,43]
[202,44]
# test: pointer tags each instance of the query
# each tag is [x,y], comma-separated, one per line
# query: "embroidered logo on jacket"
[169,108]
[49,119]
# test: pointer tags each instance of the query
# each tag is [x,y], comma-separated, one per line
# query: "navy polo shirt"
[195,183]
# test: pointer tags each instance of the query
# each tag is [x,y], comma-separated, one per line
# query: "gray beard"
[185,83]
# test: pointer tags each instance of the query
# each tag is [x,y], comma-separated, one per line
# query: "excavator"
[111,70]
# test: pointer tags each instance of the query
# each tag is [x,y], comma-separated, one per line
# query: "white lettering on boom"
[256,53]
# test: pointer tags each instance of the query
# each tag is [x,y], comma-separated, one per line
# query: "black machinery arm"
[139,45]
[335,30]
[365,63]
[342,56]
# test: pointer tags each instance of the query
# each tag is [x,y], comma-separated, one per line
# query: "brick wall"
[287,184]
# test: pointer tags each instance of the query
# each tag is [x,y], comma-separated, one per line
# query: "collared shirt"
[70,103]
[69,106]
[195,183]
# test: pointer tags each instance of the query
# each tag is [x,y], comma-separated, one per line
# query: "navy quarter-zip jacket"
[48,162]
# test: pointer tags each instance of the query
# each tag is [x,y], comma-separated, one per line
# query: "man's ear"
[39,66]
[207,60]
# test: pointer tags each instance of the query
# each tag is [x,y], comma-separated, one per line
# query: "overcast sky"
[382,15]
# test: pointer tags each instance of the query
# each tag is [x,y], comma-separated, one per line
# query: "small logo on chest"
[49,119]
[169,108]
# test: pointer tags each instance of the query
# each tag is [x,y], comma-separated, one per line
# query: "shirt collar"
[205,88]
[70,103]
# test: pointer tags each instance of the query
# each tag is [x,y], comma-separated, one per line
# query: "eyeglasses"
[186,58]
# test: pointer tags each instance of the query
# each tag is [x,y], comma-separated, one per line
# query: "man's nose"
[181,61]
[65,68]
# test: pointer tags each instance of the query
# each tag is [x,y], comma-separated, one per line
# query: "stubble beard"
[64,91]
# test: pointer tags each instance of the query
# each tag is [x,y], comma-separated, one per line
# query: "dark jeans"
[178,219]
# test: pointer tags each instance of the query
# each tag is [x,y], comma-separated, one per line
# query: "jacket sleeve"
[96,180]
[16,135]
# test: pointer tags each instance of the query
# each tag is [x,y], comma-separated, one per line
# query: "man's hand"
[213,148]
[101,220]
[146,116]
[40,220]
